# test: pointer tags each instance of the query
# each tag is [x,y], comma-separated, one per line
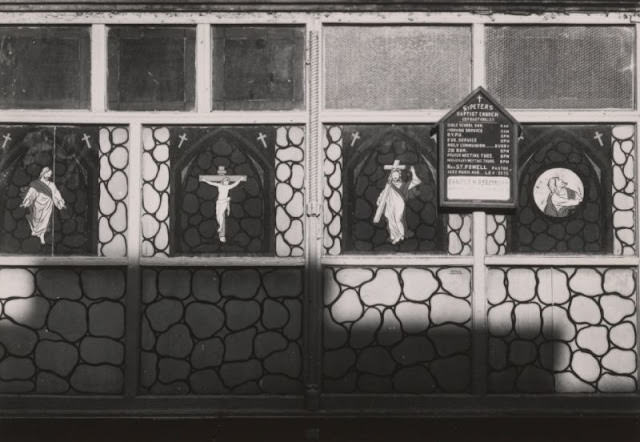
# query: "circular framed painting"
[558,192]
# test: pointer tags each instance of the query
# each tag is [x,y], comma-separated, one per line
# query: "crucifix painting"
[40,199]
[392,199]
[224,183]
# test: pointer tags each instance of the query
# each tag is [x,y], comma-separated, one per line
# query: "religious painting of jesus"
[392,201]
[40,199]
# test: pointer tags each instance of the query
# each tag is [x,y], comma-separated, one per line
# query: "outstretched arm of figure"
[415,181]
[213,183]
[237,182]
[566,202]
[29,198]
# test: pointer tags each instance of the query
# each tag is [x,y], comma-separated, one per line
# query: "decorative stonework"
[217,331]
[562,330]
[62,330]
[459,228]
[403,330]
[332,141]
[289,191]
[624,216]
[112,218]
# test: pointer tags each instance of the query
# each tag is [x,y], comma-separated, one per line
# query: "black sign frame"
[478,203]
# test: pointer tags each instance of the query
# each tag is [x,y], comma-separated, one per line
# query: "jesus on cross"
[224,183]
[392,200]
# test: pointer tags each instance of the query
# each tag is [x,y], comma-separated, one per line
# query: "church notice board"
[477,152]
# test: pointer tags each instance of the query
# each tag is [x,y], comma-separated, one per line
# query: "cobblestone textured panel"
[289,191]
[112,218]
[562,330]
[155,191]
[221,331]
[459,230]
[397,330]
[62,330]
[332,142]
[496,234]
[624,210]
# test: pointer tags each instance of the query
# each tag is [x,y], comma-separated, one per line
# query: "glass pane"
[399,67]
[223,190]
[258,67]
[44,67]
[565,193]
[54,199]
[561,66]
[151,68]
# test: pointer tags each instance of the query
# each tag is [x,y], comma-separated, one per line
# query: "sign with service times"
[477,151]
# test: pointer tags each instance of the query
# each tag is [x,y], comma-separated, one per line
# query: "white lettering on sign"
[478,188]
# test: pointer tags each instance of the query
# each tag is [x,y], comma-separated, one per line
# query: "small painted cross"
[355,136]
[183,138]
[479,98]
[86,139]
[7,138]
[262,138]
[598,136]
[395,166]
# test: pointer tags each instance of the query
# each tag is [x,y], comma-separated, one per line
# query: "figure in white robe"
[40,199]
[392,201]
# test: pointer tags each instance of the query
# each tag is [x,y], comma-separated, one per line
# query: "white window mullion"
[98,68]
[203,68]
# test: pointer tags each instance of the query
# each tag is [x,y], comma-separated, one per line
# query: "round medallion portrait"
[558,192]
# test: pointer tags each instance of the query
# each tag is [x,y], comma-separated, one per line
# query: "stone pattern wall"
[155,191]
[62,330]
[216,331]
[289,191]
[624,238]
[397,330]
[332,142]
[114,189]
[562,330]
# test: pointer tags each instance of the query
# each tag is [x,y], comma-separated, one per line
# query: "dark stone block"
[452,374]
[535,380]
[59,357]
[269,342]
[175,342]
[97,379]
[69,319]
[149,286]
[450,339]
[16,368]
[106,318]
[370,383]
[206,382]
[179,388]
[148,339]
[164,313]
[104,283]
[241,314]
[236,373]
[414,380]
[148,373]
[207,353]
[376,360]
[175,283]
[31,312]
[283,283]
[239,346]
[293,329]
[206,285]
[278,384]
[49,383]
[288,362]
[275,315]
[240,283]
[59,284]
[170,370]
[413,349]
[101,350]
[204,320]
[13,387]
[337,363]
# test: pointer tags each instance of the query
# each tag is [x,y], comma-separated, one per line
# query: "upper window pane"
[396,67]
[545,67]
[151,68]
[257,68]
[44,67]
